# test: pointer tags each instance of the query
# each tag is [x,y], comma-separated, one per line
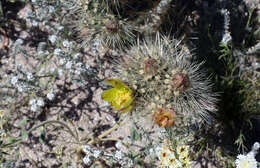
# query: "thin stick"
[105,133]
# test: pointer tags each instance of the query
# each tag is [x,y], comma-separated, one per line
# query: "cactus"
[163,78]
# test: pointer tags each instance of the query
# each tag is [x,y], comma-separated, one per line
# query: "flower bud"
[180,81]
[150,66]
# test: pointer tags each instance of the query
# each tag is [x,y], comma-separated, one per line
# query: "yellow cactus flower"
[120,97]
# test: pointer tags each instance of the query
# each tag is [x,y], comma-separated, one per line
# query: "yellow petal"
[116,83]
[113,97]
[109,95]
[120,96]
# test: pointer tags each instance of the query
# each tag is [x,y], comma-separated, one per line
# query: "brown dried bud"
[164,117]
[180,81]
[150,66]
[112,26]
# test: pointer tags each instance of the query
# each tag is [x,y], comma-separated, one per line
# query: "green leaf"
[11,140]
[133,134]
[24,134]
[42,136]
[22,123]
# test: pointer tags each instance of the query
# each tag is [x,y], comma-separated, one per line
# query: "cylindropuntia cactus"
[91,23]
[163,78]
[114,23]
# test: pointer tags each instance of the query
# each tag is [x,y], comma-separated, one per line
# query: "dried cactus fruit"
[164,117]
